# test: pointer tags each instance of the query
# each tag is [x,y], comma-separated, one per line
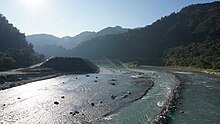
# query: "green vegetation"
[131,64]
[50,45]
[193,24]
[15,51]
[189,38]
[204,55]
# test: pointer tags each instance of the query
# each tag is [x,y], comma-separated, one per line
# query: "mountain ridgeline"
[197,23]
[55,46]
[15,51]
[189,37]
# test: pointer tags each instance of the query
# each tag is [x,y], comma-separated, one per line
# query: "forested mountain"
[193,24]
[111,30]
[43,39]
[10,37]
[52,50]
[197,55]
[66,42]
[71,42]
[15,51]
[50,45]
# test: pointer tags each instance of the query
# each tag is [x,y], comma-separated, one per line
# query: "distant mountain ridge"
[193,24]
[71,42]
[43,39]
[155,44]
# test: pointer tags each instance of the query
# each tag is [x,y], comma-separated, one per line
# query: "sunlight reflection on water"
[35,102]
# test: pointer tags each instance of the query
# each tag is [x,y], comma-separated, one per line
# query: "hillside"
[10,36]
[71,42]
[205,55]
[194,23]
[111,30]
[15,51]
[43,39]
[50,45]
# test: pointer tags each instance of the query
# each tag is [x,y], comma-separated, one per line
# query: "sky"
[71,17]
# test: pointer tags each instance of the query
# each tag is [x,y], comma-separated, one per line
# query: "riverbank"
[166,114]
[12,78]
[53,67]
[208,71]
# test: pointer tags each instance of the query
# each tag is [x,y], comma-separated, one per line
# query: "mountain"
[193,24]
[111,30]
[204,55]
[50,50]
[50,45]
[15,51]
[71,42]
[10,37]
[43,39]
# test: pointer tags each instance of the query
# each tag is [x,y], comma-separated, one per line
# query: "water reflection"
[55,100]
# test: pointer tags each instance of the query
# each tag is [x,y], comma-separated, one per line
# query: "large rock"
[70,64]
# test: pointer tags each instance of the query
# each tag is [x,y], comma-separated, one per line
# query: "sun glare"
[33,3]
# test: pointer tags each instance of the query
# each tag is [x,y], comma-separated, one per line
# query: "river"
[111,97]
[200,100]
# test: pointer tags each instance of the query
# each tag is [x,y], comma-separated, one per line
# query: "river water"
[71,98]
[200,100]
[143,110]
[111,97]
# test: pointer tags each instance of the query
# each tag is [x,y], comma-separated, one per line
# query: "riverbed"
[122,96]
[74,98]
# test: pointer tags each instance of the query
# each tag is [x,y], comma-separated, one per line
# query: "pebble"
[128,92]
[125,95]
[112,83]
[74,113]
[92,104]
[77,112]
[114,79]
[56,103]
[113,96]
[62,97]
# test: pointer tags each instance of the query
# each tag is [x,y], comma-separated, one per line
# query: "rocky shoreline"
[183,69]
[166,115]
[195,70]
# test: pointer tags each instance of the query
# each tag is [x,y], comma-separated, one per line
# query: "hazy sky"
[70,17]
